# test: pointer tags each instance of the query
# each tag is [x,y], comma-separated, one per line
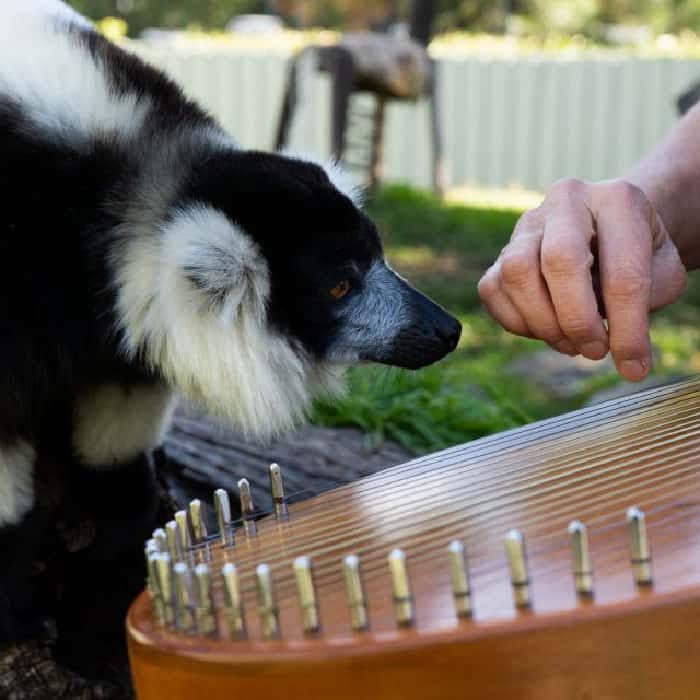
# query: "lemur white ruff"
[143,253]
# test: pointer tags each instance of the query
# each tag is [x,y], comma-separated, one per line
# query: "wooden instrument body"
[625,641]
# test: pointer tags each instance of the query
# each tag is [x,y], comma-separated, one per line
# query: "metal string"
[437,476]
[410,508]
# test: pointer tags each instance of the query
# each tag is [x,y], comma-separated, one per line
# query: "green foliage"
[423,411]
[587,17]
[141,14]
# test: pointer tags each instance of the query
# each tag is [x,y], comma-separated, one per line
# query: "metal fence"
[507,121]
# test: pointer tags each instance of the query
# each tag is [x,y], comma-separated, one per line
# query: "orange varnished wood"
[591,465]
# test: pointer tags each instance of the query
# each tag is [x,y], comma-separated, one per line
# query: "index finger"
[625,258]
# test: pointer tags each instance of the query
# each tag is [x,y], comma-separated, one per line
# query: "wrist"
[673,193]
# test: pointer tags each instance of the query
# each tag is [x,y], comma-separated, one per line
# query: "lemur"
[144,253]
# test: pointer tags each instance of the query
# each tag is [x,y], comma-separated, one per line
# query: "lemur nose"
[449,332]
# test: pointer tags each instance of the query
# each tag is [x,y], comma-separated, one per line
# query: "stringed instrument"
[560,560]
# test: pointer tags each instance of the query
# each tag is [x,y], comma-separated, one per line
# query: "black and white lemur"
[142,253]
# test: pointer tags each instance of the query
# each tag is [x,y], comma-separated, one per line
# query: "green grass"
[443,249]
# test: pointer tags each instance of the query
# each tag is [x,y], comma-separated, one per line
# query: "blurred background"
[456,114]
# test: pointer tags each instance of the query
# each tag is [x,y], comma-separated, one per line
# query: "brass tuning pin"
[153,587]
[161,539]
[164,576]
[174,542]
[247,509]
[222,507]
[303,573]
[517,562]
[401,587]
[359,618]
[198,528]
[183,597]
[639,547]
[184,535]
[277,491]
[459,574]
[582,566]
[150,547]
[267,605]
[204,612]
[197,523]
[233,601]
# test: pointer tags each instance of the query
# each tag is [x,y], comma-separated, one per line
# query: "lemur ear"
[222,267]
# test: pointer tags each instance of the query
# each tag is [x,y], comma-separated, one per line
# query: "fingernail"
[634,370]
[594,350]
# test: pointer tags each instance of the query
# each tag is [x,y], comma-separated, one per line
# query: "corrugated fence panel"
[525,121]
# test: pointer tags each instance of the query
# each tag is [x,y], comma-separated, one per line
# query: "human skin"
[618,246]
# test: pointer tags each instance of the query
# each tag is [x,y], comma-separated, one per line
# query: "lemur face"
[270,281]
[330,288]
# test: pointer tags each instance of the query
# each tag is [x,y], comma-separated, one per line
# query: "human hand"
[544,283]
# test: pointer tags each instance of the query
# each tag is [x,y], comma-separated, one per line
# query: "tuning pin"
[198,527]
[582,566]
[204,612]
[183,532]
[277,491]
[639,547]
[161,539]
[233,602]
[164,576]
[174,543]
[247,509]
[154,588]
[359,619]
[267,605]
[403,602]
[459,574]
[150,546]
[517,560]
[306,589]
[222,506]
[197,523]
[183,597]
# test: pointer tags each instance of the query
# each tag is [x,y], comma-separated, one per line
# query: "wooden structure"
[351,72]
[580,576]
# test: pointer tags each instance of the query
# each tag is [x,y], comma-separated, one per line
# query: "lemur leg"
[20,535]
[113,485]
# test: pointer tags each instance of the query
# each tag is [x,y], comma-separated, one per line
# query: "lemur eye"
[341,289]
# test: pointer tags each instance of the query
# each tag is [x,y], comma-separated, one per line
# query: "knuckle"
[628,283]
[567,186]
[516,268]
[529,223]
[488,286]
[529,218]
[630,196]
[558,261]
